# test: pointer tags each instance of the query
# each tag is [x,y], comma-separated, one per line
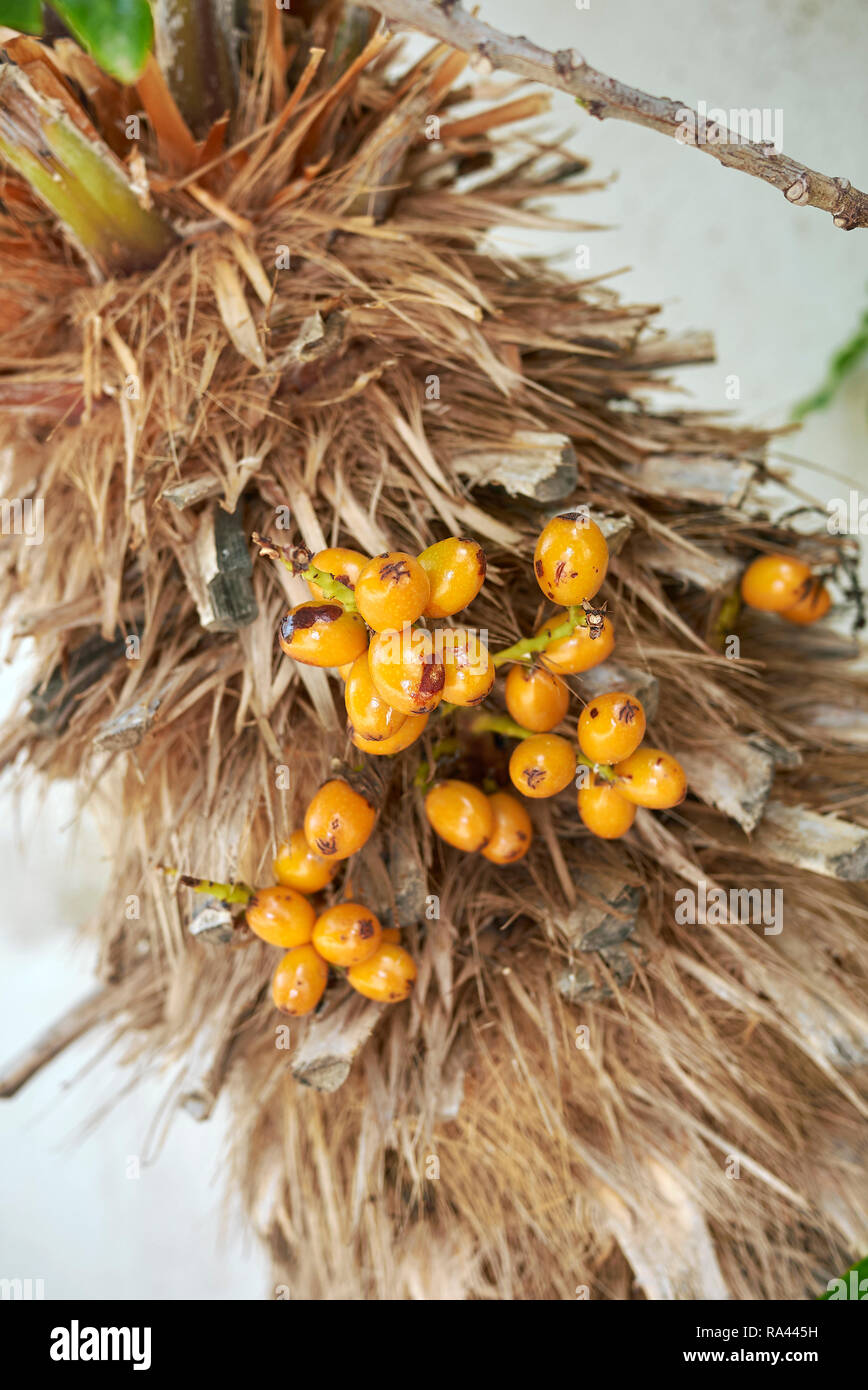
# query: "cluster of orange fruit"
[361,619]
[786,585]
[395,674]
[347,935]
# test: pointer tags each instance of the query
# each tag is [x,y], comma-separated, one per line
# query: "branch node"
[481,61]
[798,192]
[567,60]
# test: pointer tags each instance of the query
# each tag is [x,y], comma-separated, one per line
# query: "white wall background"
[781,289]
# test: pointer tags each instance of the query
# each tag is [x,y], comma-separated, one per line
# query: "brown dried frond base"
[474,1150]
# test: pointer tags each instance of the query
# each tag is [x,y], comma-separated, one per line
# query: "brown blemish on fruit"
[533,776]
[520,835]
[395,572]
[365,927]
[627,713]
[594,712]
[560,571]
[326,845]
[305,618]
[538,566]
[432,679]
[481,562]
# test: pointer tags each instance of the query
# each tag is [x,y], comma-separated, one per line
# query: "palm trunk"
[195,48]
[78,178]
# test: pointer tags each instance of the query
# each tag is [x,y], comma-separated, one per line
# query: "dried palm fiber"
[397,382]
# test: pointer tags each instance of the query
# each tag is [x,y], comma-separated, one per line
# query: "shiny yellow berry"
[384,747]
[469,672]
[571,558]
[813,605]
[347,934]
[387,976]
[343,565]
[604,811]
[774,583]
[407,670]
[339,820]
[536,699]
[650,777]
[460,814]
[299,982]
[542,765]
[298,866]
[456,572]
[585,647]
[320,633]
[391,590]
[280,916]
[611,727]
[367,712]
[512,833]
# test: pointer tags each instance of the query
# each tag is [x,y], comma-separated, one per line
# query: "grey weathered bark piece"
[666,1240]
[736,777]
[823,844]
[127,729]
[532,464]
[218,568]
[702,478]
[605,914]
[332,1041]
[187,494]
[711,570]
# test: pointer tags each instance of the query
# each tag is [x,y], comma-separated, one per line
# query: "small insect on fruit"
[584,648]
[299,982]
[280,916]
[460,814]
[368,714]
[469,672]
[542,765]
[339,820]
[391,590]
[652,778]
[774,583]
[537,699]
[406,670]
[387,976]
[571,558]
[456,572]
[611,727]
[512,833]
[322,634]
[410,730]
[813,605]
[343,565]
[347,934]
[604,811]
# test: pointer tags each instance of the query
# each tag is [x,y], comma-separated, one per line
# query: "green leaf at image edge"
[25,15]
[860,1269]
[118,33]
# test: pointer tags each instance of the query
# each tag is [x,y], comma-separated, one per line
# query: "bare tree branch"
[604,97]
